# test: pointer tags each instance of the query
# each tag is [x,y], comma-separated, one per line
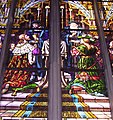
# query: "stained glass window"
[25,83]
[83,69]
[26,75]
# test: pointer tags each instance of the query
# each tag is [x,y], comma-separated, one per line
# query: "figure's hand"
[35,37]
[72,35]
[31,62]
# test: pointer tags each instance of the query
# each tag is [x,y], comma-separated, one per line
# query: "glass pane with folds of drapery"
[84,92]
[25,84]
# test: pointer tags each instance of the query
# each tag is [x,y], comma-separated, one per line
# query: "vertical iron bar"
[54,103]
[4,52]
[106,59]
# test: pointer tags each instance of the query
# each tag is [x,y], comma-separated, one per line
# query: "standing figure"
[12,46]
[72,39]
[93,82]
[37,32]
[22,58]
[45,50]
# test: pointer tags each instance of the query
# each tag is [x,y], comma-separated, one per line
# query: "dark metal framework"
[107,65]
[54,113]
[4,53]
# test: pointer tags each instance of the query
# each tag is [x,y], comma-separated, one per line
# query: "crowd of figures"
[78,50]
[31,51]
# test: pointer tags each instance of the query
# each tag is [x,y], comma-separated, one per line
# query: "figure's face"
[12,46]
[0,44]
[111,44]
[73,26]
[35,25]
[20,71]
[21,37]
[86,40]
[35,45]
[75,51]
[27,37]
[83,76]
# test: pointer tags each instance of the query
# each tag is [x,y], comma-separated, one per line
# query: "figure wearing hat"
[94,83]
